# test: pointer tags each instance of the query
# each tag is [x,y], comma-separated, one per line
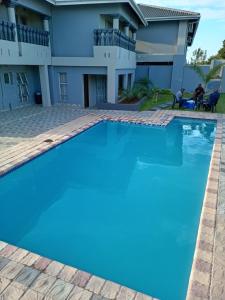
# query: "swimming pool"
[120,200]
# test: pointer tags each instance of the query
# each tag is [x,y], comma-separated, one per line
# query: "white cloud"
[209,9]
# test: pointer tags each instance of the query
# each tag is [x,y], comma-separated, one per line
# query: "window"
[63,87]
[8,78]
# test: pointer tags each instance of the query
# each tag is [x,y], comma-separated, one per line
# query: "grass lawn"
[150,103]
[220,108]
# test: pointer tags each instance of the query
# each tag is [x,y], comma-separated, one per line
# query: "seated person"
[179,97]
[212,101]
[198,93]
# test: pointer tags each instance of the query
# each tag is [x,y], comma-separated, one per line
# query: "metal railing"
[7,31]
[113,37]
[32,35]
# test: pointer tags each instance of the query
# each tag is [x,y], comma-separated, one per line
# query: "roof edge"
[170,8]
[132,3]
[178,18]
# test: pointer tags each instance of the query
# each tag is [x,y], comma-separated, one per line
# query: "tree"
[220,54]
[207,77]
[199,57]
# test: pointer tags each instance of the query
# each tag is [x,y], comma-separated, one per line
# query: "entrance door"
[86,91]
[101,89]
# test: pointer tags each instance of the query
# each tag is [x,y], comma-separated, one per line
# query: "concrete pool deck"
[29,132]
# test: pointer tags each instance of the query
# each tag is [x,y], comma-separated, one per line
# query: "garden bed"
[133,106]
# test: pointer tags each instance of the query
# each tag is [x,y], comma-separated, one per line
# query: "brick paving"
[25,124]
[217,289]
[25,275]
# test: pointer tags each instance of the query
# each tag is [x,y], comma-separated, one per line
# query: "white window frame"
[63,93]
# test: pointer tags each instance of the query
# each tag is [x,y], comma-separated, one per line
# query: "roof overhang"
[185,18]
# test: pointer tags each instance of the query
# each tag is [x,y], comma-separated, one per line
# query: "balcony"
[32,35]
[32,46]
[113,37]
[7,31]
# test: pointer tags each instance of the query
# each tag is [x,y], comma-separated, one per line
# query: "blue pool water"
[121,201]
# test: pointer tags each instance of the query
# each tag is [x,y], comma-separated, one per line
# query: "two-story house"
[162,44]
[84,52]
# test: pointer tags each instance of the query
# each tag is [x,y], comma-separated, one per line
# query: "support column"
[46,23]
[178,72]
[125,81]
[12,17]
[116,23]
[46,27]
[111,85]
[134,35]
[182,37]
[126,28]
[44,79]
[132,79]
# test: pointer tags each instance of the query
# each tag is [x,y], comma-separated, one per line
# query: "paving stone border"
[25,275]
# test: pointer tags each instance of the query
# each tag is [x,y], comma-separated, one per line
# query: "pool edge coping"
[201,271]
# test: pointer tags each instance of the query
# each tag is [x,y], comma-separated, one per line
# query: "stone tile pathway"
[27,276]
[26,123]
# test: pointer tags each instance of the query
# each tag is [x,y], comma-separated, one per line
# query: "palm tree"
[207,77]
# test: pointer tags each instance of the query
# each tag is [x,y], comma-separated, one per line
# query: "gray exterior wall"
[178,71]
[159,32]
[160,76]
[73,27]
[162,42]
[75,83]
[191,79]
[177,76]
[9,93]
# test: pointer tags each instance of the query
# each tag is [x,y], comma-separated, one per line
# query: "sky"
[211,31]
